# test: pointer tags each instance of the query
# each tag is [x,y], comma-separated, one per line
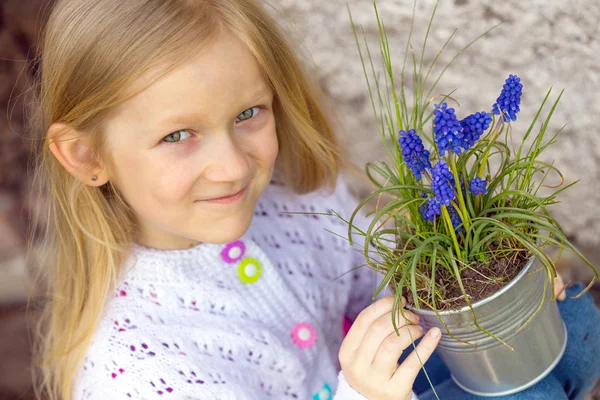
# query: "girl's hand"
[370,351]
[559,288]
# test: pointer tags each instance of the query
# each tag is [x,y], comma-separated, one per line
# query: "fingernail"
[434,333]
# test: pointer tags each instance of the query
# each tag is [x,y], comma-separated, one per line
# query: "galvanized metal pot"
[492,369]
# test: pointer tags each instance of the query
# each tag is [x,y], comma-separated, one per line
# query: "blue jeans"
[573,377]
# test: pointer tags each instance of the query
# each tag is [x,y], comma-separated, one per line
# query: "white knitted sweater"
[259,318]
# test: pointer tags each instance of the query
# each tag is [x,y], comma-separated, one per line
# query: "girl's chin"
[229,232]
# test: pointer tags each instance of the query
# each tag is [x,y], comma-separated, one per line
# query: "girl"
[178,136]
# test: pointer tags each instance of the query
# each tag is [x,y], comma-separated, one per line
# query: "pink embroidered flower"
[233,252]
[346,324]
[304,335]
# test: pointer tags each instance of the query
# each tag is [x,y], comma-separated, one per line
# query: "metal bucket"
[492,369]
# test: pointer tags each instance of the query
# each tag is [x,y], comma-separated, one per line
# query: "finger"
[559,288]
[364,320]
[408,370]
[386,359]
[379,330]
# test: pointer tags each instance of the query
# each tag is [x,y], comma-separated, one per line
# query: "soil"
[479,280]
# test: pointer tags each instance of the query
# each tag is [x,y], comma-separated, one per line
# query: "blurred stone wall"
[547,43]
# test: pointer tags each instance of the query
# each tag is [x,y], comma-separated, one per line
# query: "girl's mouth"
[227,199]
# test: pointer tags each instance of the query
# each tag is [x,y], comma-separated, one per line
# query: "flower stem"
[498,131]
[463,207]
[450,228]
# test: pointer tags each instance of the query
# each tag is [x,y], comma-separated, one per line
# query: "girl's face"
[195,150]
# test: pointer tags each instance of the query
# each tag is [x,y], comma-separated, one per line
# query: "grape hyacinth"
[478,186]
[473,127]
[414,153]
[448,131]
[430,209]
[510,99]
[455,218]
[442,183]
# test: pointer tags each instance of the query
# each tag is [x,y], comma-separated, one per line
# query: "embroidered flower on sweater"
[304,335]
[324,394]
[346,324]
[249,270]
[233,252]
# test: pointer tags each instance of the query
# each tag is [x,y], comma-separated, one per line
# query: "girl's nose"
[227,161]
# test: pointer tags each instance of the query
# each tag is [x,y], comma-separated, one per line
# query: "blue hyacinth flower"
[430,209]
[414,153]
[478,186]
[447,129]
[473,127]
[455,218]
[443,183]
[510,99]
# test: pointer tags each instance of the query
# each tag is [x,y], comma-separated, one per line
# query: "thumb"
[409,369]
[559,288]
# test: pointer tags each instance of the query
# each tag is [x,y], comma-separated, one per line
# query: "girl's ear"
[74,151]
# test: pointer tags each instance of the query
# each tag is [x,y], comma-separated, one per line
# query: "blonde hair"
[91,52]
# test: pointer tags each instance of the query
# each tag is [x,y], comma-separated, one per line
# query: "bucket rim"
[481,302]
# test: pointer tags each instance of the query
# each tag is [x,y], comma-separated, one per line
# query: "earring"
[94,178]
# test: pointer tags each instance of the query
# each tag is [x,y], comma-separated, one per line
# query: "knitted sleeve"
[345,391]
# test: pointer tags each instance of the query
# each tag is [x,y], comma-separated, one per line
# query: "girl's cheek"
[175,183]
[271,148]
[266,142]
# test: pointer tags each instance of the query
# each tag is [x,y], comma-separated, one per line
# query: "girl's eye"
[176,136]
[248,114]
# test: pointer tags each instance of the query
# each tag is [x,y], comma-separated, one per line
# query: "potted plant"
[463,232]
